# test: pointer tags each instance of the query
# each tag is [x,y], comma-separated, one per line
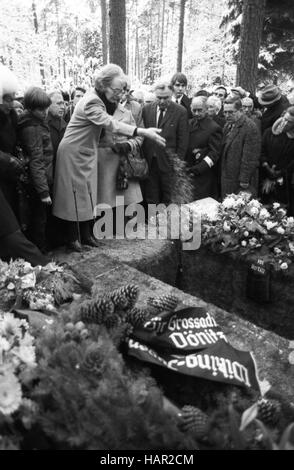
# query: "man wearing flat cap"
[274,105]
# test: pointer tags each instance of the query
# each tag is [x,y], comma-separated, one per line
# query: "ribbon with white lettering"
[190,342]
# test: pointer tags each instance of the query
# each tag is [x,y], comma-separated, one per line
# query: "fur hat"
[269,95]
[8,82]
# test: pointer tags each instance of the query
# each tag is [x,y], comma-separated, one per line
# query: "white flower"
[280,230]
[10,394]
[4,345]
[269,225]
[244,243]
[284,266]
[254,203]
[27,267]
[276,205]
[264,214]
[27,355]
[282,212]
[290,221]
[229,203]
[253,241]
[226,227]
[253,211]
[277,251]
[291,247]
[28,281]
[246,234]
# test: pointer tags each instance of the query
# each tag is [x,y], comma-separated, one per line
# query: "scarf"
[110,107]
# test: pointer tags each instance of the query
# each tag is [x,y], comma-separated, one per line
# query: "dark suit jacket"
[207,137]
[174,129]
[186,102]
[57,129]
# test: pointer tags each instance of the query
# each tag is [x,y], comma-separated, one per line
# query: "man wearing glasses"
[241,151]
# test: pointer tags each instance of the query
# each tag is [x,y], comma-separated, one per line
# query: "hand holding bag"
[137,166]
[133,166]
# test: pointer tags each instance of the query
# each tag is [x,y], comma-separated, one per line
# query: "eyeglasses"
[117,91]
[230,112]
[219,95]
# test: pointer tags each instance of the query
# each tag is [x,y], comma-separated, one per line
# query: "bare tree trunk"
[117,36]
[127,46]
[36,27]
[103,7]
[251,32]
[162,32]
[181,36]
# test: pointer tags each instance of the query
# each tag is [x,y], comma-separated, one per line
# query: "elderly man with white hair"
[75,185]
[214,110]
[205,140]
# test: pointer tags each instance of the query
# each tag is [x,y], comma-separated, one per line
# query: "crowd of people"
[61,155]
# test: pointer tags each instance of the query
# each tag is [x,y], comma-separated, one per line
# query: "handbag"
[136,166]
[132,166]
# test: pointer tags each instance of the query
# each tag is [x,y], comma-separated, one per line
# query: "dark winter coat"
[240,157]
[186,102]
[206,136]
[272,113]
[175,130]
[278,150]
[35,139]
[8,220]
[8,169]
[57,128]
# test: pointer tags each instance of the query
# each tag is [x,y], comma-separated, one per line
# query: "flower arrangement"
[17,358]
[40,288]
[245,226]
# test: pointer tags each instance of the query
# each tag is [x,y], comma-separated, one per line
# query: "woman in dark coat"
[204,150]
[277,162]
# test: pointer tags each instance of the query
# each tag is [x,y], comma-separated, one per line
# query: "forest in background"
[48,40]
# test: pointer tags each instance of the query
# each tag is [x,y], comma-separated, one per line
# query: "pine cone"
[95,311]
[137,317]
[125,297]
[93,360]
[195,421]
[111,321]
[268,411]
[164,302]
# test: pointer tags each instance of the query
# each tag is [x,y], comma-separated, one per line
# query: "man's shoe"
[75,246]
[91,241]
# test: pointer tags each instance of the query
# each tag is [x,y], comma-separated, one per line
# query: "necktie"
[160,119]
[177,101]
